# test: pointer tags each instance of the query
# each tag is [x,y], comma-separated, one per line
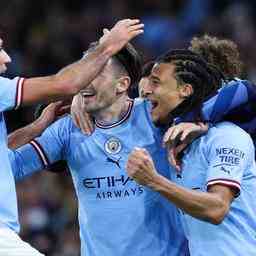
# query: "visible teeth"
[87,93]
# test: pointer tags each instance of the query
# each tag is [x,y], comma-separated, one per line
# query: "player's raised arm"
[78,75]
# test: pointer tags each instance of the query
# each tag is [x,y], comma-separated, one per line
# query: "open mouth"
[88,93]
[154,104]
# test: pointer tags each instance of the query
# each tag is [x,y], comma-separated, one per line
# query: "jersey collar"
[123,119]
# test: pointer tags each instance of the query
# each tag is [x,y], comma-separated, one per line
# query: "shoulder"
[142,112]
[228,134]
[223,135]
[140,102]
[227,129]
[142,105]
[11,93]
[11,82]
[239,87]
[7,80]
[64,124]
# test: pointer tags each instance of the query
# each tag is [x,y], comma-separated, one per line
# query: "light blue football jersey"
[225,155]
[10,97]
[116,215]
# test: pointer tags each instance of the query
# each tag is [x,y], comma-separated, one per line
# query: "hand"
[140,167]
[51,113]
[122,32]
[178,137]
[81,119]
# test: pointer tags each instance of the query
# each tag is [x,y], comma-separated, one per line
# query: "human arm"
[226,159]
[78,75]
[210,206]
[24,164]
[25,134]
[42,152]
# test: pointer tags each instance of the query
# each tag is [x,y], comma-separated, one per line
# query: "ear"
[123,83]
[186,90]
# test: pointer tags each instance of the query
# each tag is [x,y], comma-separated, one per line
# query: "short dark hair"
[147,68]
[191,68]
[129,59]
[222,53]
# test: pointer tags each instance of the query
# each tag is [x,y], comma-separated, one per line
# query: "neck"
[114,112]
[186,109]
[180,109]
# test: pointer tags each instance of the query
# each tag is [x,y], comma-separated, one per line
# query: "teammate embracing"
[217,182]
[19,91]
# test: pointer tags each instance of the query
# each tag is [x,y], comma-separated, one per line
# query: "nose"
[146,90]
[144,93]
[5,57]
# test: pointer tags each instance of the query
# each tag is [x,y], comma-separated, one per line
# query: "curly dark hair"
[192,68]
[222,53]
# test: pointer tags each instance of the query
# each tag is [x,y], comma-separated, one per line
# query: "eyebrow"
[155,77]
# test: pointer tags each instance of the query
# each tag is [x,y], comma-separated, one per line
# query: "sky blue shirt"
[116,215]
[225,156]
[10,97]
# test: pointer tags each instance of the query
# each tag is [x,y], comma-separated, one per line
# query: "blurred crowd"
[43,36]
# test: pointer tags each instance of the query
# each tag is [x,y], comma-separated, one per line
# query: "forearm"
[24,135]
[202,205]
[79,74]
[67,82]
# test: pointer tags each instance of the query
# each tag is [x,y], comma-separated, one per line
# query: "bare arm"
[67,82]
[211,206]
[70,80]
[25,134]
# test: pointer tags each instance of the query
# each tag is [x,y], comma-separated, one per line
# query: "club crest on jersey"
[113,146]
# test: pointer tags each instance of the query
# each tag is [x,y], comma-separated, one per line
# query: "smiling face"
[104,90]
[143,83]
[163,91]
[4,58]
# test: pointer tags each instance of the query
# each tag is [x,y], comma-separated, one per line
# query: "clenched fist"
[140,167]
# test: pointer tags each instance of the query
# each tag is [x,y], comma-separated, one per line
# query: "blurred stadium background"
[43,36]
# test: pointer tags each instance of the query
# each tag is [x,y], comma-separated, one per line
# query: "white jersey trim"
[19,93]
[40,152]
[226,182]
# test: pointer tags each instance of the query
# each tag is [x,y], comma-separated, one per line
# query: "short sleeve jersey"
[116,215]
[10,98]
[224,156]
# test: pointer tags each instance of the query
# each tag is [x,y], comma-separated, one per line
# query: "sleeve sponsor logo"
[230,156]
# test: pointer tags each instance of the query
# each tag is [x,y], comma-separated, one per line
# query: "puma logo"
[114,161]
[178,176]
[225,170]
